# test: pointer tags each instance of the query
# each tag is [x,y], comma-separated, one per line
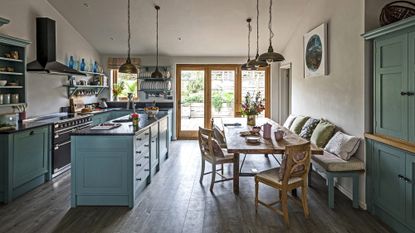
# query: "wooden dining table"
[236,144]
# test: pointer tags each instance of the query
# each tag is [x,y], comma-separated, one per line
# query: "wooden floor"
[176,202]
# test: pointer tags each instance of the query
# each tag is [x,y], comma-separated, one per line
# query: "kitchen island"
[111,167]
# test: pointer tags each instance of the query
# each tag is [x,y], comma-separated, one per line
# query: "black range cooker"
[63,125]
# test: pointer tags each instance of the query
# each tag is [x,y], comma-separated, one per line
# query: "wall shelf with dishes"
[155,87]
[12,70]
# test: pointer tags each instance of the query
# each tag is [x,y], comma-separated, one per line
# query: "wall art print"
[315,52]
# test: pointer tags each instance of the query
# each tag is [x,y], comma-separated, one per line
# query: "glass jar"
[6,98]
[14,99]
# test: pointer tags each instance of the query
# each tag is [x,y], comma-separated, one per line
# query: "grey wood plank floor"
[176,202]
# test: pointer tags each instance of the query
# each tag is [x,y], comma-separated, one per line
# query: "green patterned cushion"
[298,123]
[322,133]
[308,128]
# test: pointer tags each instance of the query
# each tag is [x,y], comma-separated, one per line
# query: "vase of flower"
[117,89]
[251,120]
[252,106]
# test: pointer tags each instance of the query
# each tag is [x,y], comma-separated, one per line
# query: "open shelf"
[11,87]
[10,59]
[11,73]
[11,105]
[91,73]
[73,89]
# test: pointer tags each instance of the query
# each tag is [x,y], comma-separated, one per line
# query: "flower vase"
[115,98]
[251,120]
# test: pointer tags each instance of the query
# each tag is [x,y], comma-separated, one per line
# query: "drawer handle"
[146,145]
[401,177]
[404,93]
[146,157]
[138,165]
[139,139]
[138,152]
[153,141]
[138,179]
[146,133]
[146,169]
[31,133]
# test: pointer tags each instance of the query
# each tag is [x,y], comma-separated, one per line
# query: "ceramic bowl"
[3,83]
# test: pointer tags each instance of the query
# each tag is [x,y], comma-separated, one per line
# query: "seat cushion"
[298,124]
[322,133]
[272,175]
[289,121]
[343,145]
[308,128]
[332,163]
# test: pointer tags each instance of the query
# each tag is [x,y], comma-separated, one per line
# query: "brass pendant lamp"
[271,56]
[157,73]
[246,66]
[128,67]
[256,62]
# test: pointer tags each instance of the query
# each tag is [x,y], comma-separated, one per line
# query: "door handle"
[403,93]
[401,177]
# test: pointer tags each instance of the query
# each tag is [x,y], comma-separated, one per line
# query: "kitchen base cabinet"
[391,191]
[164,139]
[24,161]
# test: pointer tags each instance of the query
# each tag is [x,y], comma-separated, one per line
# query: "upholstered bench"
[333,166]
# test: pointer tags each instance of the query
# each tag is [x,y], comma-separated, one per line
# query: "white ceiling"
[206,27]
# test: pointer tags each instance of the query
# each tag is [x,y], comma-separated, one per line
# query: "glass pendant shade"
[271,56]
[128,68]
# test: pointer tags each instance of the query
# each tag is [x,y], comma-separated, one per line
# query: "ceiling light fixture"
[157,73]
[271,56]
[128,67]
[246,65]
[256,62]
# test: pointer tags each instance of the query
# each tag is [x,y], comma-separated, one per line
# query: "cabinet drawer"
[141,179]
[141,139]
[141,165]
[142,151]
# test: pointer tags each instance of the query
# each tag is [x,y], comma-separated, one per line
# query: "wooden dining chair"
[214,154]
[291,175]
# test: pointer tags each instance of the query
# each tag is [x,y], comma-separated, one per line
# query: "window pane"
[129,82]
[223,93]
[253,82]
[192,99]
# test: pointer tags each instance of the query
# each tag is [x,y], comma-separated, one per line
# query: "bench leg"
[355,191]
[330,184]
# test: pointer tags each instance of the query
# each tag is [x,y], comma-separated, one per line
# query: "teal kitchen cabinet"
[164,139]
[410,190]
[393,189]
[390,159]
[24,161]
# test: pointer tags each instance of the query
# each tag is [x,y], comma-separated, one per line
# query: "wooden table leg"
[236,173]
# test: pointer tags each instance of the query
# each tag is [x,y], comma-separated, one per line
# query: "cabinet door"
[391,77]
[30,155]
[410,190]
[389,165]
[411,87]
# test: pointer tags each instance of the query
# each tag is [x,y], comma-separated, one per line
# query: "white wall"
[45,93]
[339,96]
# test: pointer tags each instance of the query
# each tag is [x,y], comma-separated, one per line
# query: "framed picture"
[315,52]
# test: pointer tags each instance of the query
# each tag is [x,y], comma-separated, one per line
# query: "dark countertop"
[126,128]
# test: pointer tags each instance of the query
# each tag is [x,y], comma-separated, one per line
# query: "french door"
[206,91]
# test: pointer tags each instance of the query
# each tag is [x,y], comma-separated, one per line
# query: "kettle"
[103,103]
[267,130]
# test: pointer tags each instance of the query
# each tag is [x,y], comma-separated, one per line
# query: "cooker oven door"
[61,156]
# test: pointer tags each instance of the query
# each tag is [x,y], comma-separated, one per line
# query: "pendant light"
[127,67]
[256,62]
[157,73]
[271,56]
[246,66]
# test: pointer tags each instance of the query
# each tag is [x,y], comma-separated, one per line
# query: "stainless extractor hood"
[46,51]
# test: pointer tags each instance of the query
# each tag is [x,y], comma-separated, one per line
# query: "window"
[127,83]
[254,82]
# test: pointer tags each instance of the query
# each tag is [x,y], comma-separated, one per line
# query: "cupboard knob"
[31,133]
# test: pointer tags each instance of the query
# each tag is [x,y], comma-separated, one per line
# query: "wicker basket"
[396,11]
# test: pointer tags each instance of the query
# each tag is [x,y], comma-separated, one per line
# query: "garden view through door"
[192,107]
[222,93]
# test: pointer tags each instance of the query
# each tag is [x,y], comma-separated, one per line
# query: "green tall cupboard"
[390,157]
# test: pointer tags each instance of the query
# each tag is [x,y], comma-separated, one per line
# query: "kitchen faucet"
[130,101]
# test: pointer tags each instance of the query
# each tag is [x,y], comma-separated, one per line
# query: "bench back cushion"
[308,128]
[289,121]
[298,124]
[343,145]
[322,133]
